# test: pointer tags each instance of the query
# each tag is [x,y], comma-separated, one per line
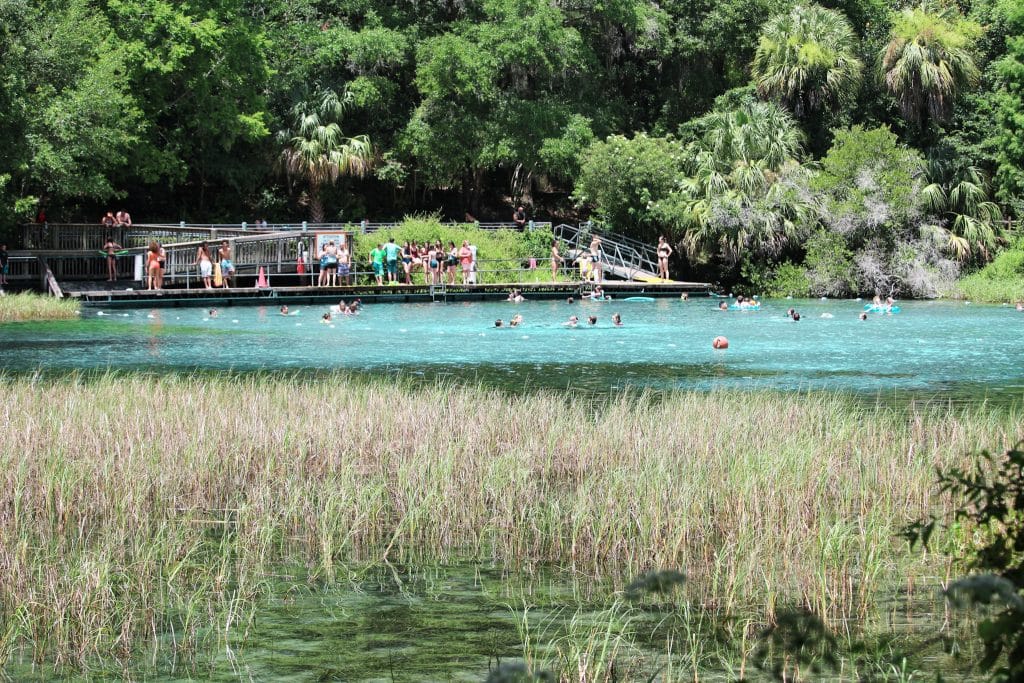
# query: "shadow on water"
[463,622]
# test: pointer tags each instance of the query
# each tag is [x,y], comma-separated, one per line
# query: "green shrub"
[502,255]
[784,279]
[829,265]
[1000,281]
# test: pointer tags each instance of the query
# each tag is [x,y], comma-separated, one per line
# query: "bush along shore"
[138,510]
[27,306]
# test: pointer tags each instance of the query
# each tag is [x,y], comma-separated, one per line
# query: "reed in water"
[146,509]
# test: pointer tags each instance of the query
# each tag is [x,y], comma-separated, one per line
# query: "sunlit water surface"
[930,349]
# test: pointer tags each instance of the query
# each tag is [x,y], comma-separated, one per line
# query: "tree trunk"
[316,205]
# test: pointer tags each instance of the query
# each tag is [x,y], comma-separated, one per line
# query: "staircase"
[623,257]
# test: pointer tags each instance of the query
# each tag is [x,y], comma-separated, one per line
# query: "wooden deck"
[125,295]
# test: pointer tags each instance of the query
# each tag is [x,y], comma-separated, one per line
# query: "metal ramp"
[624,257]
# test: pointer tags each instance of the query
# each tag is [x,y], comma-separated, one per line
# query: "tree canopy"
[645,115]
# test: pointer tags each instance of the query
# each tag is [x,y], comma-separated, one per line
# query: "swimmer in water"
[684,297]
[863,316]
[283,310]
[516,320]
[795,316]
[326,318]
[1020,306]
[592,320]
[616,320]
[499,322]
[573,321]
[570,300]
[723,306]
[212,312]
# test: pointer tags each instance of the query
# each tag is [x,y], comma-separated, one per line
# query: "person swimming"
[592,320]
[616,320]
[863,316]
[570,300]
[723,306]
[499,322]
[573,321]
[516,320]
[283,310]
[326,317]
[212,313]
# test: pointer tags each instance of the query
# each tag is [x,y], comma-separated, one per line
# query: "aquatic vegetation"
[27,306]
[146,510]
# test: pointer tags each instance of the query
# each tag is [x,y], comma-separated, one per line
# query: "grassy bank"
[1001,281]
[134,505]
[27,306]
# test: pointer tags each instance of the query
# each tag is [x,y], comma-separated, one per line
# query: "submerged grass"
[140,509]
[27,306]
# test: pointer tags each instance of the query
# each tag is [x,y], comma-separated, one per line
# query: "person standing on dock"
[344,261]
[4,258]
[664,251]
[227,268]
[111,247]
[108,221]
[556,260]
[391,252]
[205,263]
[377,259]
[466,261]
[124,219]
[596,259]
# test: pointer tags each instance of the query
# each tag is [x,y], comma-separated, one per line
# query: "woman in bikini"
[452,261]
[407,262]
[664,251]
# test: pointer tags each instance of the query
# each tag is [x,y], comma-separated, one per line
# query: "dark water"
[943,350]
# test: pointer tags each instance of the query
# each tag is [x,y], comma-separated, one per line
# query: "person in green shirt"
[391,252]
[377,258]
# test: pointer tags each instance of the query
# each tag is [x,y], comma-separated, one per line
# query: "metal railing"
[277,253]
[622,256]
[23,268]
[90,236]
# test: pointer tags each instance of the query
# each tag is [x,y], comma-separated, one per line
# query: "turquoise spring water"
[928,350]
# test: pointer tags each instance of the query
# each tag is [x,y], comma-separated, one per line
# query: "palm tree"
[805,59]
[316,151]
[961,200]
[742,194]
[928,61]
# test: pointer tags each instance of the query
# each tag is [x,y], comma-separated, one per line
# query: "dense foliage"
[632,112]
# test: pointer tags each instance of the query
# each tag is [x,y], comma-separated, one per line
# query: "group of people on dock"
[439,264]
[217,273]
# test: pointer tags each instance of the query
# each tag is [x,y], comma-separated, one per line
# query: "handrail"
[626,253]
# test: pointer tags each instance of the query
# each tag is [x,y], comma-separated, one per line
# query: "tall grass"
[27,306]
[139,509]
